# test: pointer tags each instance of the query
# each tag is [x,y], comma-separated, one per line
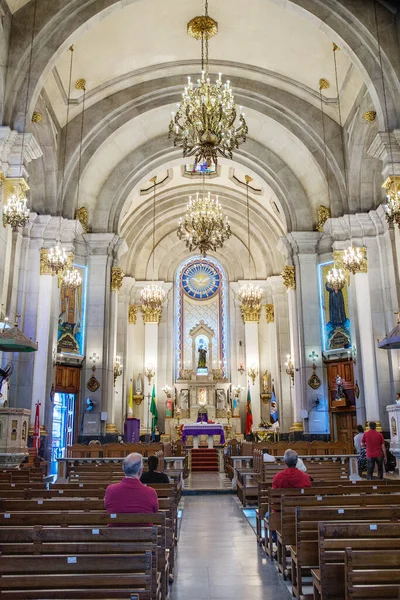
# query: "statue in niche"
[236,406]
[266,382]
[139,387]
[184,402]
[337,309]
[340,392]
[202,399]
[202,363]
[221,400]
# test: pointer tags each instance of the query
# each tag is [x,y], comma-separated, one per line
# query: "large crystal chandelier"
[250,295]
[16,212]
[72,279]
[392,207]
[204,225]
[336,279]
[353,258]
[57,259]
[153,297]
[205,124]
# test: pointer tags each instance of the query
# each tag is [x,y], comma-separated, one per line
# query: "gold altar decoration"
[110,428]
[270,313]
[82,215]
[289,277]
[392,208]
[117,276]
[297,427]
[132,314]
[323,215]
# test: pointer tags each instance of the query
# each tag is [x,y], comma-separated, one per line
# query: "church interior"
[199,260]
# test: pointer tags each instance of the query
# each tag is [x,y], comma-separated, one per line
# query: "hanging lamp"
[249,294]
[153,297]
[205,125]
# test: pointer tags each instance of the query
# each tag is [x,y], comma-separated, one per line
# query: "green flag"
[153,410]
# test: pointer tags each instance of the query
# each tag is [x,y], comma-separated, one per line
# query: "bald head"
[290,457]
[133,465]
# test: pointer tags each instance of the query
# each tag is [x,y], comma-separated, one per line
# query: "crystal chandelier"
[16,212]
[204,225]
[250,296]
[353,258]
[205,124]
[153,297]
[72,279]
[57,259]
[336,279]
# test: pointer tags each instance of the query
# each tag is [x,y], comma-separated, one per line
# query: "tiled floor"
[208,481]
[218,556]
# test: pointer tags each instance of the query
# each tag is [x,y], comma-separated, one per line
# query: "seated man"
[152,475]
[130,495]
[291,477]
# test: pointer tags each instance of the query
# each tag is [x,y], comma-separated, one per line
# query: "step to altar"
[204,459]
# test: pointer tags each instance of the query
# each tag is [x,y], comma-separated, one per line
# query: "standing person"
[374,443]
[362,456]
[152,475]
[291,477]
[130,495]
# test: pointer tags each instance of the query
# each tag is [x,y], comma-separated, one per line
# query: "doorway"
[63,427]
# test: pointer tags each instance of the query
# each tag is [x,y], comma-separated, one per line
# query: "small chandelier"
[392,208]
[57,259]
[205,124]
[204,225]
[250,295]
[72,279]
[353,258]
[336,279]
[153,297]
[16,212]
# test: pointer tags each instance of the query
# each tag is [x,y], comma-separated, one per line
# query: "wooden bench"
[334,538]
[370,574]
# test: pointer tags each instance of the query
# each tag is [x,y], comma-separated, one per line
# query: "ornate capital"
[82,215]
[132,314]
[324,214]
[270,313]
[117,276]
[251,313]
[289,277]
[44,263]
[151,315]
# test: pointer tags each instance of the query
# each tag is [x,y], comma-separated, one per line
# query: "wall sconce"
[94,358]
[252,373]
[241,369]
[314,356]
[117,369]
[290,367]
[236,390]
[150,373]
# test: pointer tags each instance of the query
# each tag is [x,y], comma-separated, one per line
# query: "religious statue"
[266,382]
[139,387]
[340,392]
[337,309]
[221,400]
[169,407]
[236,406]
[184,401]
[202,364]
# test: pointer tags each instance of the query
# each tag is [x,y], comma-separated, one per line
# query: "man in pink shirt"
[374,443]
[130,495]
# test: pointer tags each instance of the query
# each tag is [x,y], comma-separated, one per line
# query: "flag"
[36,428]
[130,401]
[273,410]
[249,415]
[154,412]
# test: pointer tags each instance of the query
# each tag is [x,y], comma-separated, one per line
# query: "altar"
[208,429]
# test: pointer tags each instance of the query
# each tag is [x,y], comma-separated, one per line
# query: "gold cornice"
[132,314]
[82,215]
[251,313]
[323,215]
[289,277]
[151,315]
[270,313]
[117,276]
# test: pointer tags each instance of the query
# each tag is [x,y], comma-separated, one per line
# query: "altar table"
[197,429]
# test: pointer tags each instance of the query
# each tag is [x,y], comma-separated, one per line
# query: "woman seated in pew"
[152,475]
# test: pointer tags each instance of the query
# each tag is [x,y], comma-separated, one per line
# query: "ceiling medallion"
[205,124]
[204,226]
[336,279]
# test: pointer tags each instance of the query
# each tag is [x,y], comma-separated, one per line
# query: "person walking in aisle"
[374,443]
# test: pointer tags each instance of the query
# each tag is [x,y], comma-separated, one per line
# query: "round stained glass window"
[201,280]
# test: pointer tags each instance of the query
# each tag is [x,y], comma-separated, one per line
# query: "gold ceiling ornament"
[335,47]
[369,116]
[132,314]
[82,215]
[270,313]
[205,125]
[355,259]
[80,84]
[153,297]
[336,279]
[37,117]
[117,276]
[323,214]
[324,84]
[15,211]
[44,263]
[289,277]
[392,207]
[204,226]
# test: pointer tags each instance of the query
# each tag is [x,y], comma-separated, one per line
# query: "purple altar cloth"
[203,429]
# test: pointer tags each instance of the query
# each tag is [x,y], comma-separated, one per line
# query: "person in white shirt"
[357,438]
[267,458]
[300,465]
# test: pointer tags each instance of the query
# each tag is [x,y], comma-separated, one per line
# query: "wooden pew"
[304,553]
[334,538]
[370,574]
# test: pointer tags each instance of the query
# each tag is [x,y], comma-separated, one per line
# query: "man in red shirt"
[291,477]
[374,443]
[130,495]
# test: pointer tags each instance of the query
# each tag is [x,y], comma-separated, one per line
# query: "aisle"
[218,557]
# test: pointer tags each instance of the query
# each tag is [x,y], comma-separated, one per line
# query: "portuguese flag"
[249,415]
